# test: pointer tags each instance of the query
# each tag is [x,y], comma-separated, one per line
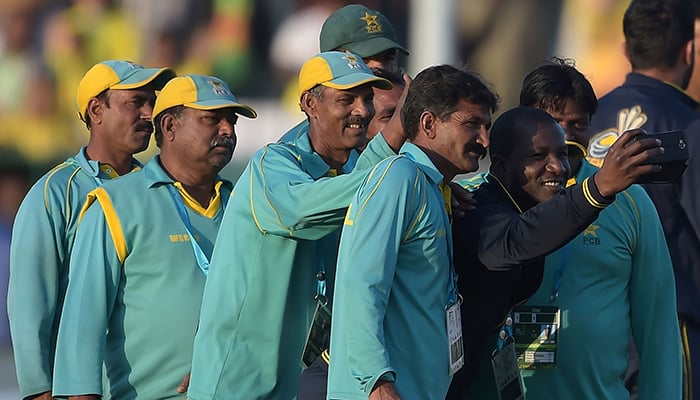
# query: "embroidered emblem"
[590,235]
[627,118]
[218,88]
[372,25]
[352,61]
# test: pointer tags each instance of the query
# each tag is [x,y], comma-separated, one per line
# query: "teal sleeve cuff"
[388,376]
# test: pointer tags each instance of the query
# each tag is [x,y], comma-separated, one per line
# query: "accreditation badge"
[454,338]
[536,331]
[505,369]
[318,338]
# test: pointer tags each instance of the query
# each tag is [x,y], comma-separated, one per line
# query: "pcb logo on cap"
[117,74]
[200,92]
[373,26]
[338,70]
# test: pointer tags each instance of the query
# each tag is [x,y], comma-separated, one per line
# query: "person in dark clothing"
[659,45]
[524,212]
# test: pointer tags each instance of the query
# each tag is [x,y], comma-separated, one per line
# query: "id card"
[454,338]
[505,370]
[319,337]
[536,330]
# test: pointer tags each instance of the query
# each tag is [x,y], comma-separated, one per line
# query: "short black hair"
[438,89]
[656,31]
[513,126]
[549,86]
[103,96]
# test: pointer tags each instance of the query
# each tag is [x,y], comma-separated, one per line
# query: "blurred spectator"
[230,37]
[294,42]
[589,32]
[36,130]
[14,183]
[16,55]
[505,39]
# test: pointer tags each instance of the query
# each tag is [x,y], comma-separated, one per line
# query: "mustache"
[356,120]
[475,147]
[223,141]
[146,126]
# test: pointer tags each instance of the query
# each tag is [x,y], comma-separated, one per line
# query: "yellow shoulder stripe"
[113,224]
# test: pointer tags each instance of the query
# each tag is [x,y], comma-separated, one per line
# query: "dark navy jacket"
[499,258]
[656,107]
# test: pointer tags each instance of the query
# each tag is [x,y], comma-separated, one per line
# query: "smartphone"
[673,161]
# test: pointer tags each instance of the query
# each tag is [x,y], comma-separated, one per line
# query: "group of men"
[344,263]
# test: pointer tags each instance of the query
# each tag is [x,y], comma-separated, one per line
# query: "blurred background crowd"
[257,46]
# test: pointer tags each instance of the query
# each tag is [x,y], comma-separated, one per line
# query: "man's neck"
[121,163]
[335,158]
[443,165]
[672,75]
[200,185]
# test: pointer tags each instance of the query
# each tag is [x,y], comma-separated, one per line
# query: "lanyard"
[199,255]
[561,265]
[563,258]
[452,290]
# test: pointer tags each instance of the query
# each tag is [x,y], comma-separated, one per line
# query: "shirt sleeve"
[37,255]
[94,277]
[287,201]
[376,224]
[653,307]
[507,238]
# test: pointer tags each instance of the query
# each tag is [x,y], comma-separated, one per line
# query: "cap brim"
[142,77]
[241,109]
[576,150]
[373,46]
[357,79]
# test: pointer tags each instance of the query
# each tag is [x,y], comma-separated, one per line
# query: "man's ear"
[94,110]
[498,166]
[309,104]
[427,124]
[688,53]
[168,124]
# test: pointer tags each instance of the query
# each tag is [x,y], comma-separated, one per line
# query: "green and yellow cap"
[338,70]
[200,92]
[117,74]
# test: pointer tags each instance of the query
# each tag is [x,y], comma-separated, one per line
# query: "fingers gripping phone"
[672,161]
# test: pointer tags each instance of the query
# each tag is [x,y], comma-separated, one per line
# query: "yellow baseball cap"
[338,70]
[117,74]
[200,92]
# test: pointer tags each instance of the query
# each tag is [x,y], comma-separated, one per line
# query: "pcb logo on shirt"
[590,237]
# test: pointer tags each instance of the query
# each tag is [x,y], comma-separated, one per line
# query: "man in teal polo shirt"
[142,252]
[115,100]
[396,286]
[281,231]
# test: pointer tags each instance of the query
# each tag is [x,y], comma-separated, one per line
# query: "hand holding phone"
[673,161]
